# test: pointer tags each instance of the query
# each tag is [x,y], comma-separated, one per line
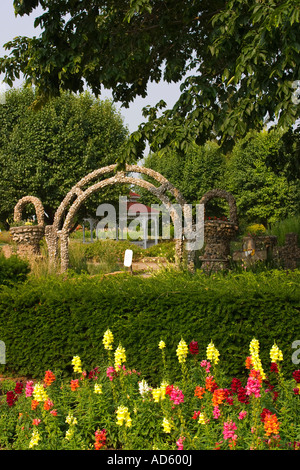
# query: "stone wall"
[263,247]
[28,239]
[289,253]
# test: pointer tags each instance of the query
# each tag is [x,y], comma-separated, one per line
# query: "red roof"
[132,193]
[135,207]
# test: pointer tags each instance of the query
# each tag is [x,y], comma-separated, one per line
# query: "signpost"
[128,259]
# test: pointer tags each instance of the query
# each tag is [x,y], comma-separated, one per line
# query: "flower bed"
[113,407]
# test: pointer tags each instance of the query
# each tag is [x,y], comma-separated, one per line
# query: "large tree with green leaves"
[262,195]
[44,153]
[238,61]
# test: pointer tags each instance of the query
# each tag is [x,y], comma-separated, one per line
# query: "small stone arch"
[64,216]
[28,237]
[39,209]
[221,193]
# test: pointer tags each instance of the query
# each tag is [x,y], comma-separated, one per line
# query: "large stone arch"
[64,216]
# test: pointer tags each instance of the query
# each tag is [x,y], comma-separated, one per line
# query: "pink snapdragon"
[179,443]
[228,430]
[253,386]
[29,388]
[111,373]
[176,396]
[216,412]
[206,364]
[242,414]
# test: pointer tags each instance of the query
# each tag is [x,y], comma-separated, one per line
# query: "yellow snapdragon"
[98,389]
[120,356]
[212,353]
[71,420]
[182,351]
[160,392]
[108,339]
[123,416]
[76,363]
[35,437]
[166,425]
[275,354]
[39,393]
[162,345]
[255,359]
[202,419]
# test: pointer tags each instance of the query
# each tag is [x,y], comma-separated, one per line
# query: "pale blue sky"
[11,26]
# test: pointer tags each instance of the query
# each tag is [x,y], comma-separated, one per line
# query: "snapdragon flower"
[182,351]
[275,354]
[120,356]
[108,339]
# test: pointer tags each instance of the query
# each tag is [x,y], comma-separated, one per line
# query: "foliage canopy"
[238,61]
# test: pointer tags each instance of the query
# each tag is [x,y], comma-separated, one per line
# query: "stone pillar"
[218,234]
[52,243]
[64,251]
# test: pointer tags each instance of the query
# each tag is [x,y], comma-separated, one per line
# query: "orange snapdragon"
[74,384]
[218,396]
[271,424]
[210,383]
[49,377]
[34,404]
[248,363]
[256,374]
[199,391]
[48,404]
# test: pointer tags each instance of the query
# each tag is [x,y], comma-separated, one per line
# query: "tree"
[201,170]
[238,61]
[44,153]
[262,196]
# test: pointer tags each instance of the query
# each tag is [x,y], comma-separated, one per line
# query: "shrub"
[13,270]
[70,315]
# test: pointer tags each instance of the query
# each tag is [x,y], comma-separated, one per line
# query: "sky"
[12,26]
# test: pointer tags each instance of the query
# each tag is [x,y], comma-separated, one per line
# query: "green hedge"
[13,270]
[44,322]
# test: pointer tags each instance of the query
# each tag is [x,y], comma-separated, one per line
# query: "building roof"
[136,208]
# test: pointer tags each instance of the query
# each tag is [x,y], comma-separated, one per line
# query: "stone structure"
[218,234]
[28,237]
[256,248]
[289,253]
[66,212]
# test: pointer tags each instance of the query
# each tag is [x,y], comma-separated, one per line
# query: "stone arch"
[68,208]
[39,209]
[220,193]
[28,237]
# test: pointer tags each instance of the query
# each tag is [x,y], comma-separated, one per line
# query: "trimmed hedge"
[13,270]
[45,322]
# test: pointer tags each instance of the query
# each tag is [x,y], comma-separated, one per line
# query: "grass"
[281,228]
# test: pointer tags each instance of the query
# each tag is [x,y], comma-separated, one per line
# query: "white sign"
[128,258]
